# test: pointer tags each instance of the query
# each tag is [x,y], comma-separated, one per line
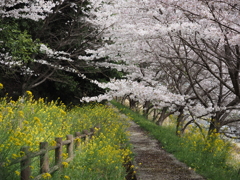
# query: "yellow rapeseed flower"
[46,176]
[21,114]
[53,143]
[65,155]
[9,110]
[63,113]
[66,177]
[1,117]
[14,156]
[29,93]
[25,122]
[65,164]
[77,139]
[17,173]
[1,86]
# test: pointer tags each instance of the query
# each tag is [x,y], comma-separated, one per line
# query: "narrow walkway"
[153,163]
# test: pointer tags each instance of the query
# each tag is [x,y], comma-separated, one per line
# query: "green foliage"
[207,156]
[19,44]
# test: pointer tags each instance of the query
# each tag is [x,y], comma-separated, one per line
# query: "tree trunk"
[133,104]
[215,125]
[146,108]
[163,116]
[180,122]
[155,115]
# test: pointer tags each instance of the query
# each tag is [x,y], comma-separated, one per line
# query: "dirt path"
[154,163]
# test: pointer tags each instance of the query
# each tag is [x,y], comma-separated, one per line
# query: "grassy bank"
[27,122]
[209,157]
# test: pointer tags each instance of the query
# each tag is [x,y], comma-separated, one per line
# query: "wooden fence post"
[77,135]
[44,159]
[92,130]
[25,164]
[85,132]
[86,138]
[70,145]
[58,151]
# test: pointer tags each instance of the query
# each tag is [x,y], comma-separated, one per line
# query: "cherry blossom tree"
[189,48]
[218,56]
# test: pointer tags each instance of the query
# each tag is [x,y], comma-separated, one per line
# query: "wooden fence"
[71,143]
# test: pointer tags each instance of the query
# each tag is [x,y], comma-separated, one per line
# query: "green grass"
[206,157]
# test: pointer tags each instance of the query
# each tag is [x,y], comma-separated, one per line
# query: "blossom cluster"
[34,10]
